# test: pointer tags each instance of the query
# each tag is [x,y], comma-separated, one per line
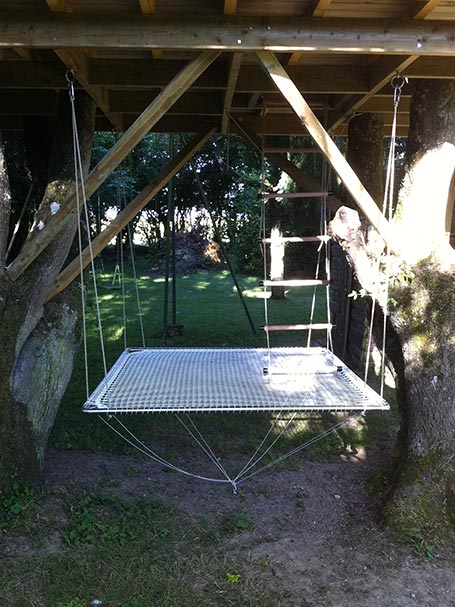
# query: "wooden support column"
[295,99]
[113,158]
[134,207]
[234,68]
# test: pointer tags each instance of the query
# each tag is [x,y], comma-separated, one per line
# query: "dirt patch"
[312,531]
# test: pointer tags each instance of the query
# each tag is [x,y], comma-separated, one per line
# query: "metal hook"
[70,78]
[397,82]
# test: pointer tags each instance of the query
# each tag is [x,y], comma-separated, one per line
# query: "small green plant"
[106,519]
[300,495]
[237,521]
[265,490]
[17,503]
[420,546]
[232,578]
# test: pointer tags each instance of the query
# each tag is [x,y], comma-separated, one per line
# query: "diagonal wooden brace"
[322,139]
[149,117]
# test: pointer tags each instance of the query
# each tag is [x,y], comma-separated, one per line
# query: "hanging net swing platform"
[190,380]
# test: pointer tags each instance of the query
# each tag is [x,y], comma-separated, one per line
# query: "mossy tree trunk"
[421,311]
[39,340]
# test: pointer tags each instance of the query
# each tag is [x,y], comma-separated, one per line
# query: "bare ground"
[314,530]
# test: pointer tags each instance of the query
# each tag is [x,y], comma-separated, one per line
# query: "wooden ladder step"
[305,327]
[294,283]
[296,239]
[294,194]
[292,150]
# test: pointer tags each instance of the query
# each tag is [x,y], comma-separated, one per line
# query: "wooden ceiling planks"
[123,79]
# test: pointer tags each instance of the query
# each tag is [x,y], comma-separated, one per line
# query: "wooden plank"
[59,6]
[285,239]
[294,194]
[319,326]
[292,150]
[368,36]
[148,6]
[382,72]
[321,7]
[113,158]
[419,9]
[72,270]
[310,282]
[230,7]
[234,69]
[340,165]
[141,73]
[78,62]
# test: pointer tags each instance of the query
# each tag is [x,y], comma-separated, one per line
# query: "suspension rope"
[296,450]
[80,190]
[397,83]
[145,450]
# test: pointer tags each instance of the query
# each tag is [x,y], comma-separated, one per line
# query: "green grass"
[135,554]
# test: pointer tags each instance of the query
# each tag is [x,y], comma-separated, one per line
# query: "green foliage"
[16,504]
[420,545]
[237,521]
[232,578]
[108,520]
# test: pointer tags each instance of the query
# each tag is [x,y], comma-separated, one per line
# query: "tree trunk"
[422,313]
[365,153]
[39,340]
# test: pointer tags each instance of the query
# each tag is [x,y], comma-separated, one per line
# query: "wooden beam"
[321,7]
[282,162]
[419,9]
[235,63]
[113,158]
[352,183]
[382,71]
[78,62]
[148,6]
[368,36]
[72,270]
[126,73]
[432,67]
[230,7]
[59,6]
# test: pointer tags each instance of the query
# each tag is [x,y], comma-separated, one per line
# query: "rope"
[80,189]
[397,83]
[296,450]
[142,448]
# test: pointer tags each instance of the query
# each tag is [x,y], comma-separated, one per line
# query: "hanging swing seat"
[157,380]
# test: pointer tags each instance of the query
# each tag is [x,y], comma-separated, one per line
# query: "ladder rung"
[293,283]
[296,239]
[294,194]
[307,327]
[292,150]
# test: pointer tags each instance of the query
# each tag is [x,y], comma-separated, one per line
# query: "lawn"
[128,551]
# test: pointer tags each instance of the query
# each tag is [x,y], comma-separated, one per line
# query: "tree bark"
[421,311]
[5,209]
[365,153]
[39,341]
